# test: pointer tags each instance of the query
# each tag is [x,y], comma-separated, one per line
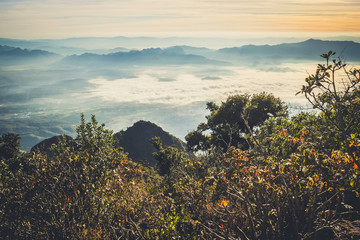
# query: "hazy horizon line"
[206,35]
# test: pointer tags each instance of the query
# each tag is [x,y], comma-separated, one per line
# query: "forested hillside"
[254,173]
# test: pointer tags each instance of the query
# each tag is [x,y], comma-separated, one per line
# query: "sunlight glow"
[60,19]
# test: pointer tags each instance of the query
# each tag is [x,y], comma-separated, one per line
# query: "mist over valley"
[46,84]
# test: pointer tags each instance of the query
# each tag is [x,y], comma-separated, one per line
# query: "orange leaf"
[355,166]
[224,203]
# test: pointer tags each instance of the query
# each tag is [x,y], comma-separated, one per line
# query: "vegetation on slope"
[295,178]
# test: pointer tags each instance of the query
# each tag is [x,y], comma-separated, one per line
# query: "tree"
[9,145]
[334,90]
[167,158]
[228,124]
[59,196]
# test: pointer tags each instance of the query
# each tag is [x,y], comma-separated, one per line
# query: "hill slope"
[136,140]
[45,145]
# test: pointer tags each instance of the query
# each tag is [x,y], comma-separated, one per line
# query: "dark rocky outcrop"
[137,141]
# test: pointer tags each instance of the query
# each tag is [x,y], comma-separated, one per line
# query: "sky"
[35,19]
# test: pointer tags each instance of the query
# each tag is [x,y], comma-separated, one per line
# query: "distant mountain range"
[102,45]
[182,55]
[150,56]
[14,56]
[307,50]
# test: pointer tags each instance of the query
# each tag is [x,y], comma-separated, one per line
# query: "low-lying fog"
[42,102]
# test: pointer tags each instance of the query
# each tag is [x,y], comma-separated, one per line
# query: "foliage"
[294,178]
[303,197]
[168,158]
[280,137]
[63,197]
[228,123]
[334,90]
[9,145]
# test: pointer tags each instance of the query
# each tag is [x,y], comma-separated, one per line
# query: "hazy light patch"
[188,87]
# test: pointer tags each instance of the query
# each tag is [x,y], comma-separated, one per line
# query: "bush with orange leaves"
[303,197]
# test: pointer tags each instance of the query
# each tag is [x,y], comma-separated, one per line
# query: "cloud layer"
[179,87]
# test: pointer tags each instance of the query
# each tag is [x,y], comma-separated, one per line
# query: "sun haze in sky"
[32,19]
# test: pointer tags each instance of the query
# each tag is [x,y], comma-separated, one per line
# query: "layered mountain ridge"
[182,54]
